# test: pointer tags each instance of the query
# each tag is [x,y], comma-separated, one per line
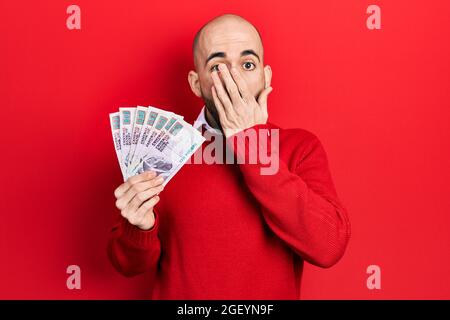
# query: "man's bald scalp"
[217,19]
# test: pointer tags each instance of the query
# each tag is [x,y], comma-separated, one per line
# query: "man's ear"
[267,76]
[194,83]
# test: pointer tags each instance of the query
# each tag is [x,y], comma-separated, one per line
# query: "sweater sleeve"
[133,251]
[300,205]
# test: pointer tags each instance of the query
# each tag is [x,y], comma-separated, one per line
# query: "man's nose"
[232,65]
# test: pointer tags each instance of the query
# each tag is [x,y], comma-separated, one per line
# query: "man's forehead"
[230,42]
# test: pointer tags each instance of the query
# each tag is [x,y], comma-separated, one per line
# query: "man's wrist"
[149,222]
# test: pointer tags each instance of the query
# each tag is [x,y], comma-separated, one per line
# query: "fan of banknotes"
[148,138]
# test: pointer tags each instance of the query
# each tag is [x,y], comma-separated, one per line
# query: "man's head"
[232,40]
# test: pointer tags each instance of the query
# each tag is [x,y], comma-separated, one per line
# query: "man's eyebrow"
[215,55]
[249,52]
[221,54]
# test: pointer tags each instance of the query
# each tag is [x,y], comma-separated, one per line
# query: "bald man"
[227,230]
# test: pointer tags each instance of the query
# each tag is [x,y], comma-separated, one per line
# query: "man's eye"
[248,66]
[215,67]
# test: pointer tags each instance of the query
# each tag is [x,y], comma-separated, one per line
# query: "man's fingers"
[137,217]
[222,94]
[123,201]
[230,85]
[143,196]
[242,85]
[120,191]
[148,205]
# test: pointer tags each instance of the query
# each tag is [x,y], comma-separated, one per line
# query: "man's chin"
[212,110]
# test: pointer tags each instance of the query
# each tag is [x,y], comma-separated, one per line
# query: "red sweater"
[224,231]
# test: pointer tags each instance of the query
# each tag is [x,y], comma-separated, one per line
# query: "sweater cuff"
[139,237]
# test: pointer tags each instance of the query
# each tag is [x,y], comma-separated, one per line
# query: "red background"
[378,100]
